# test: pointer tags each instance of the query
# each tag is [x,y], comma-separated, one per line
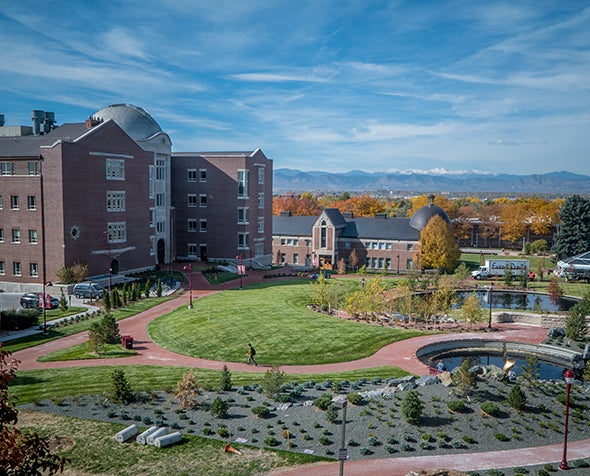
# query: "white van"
[88,290]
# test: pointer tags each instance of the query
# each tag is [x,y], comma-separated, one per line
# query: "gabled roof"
[292,225]
[28,146]
[335,217]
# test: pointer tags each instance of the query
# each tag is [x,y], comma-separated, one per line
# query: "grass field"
[275,319]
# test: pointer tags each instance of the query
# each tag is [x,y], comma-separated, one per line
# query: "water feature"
[518,300]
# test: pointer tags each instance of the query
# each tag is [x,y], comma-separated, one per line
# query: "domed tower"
[423,215]
[148,134]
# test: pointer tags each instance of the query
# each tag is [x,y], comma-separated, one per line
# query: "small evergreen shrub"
[354,398]
[271,441]
[457,406]
[501,437]
[490,408]
[261,411]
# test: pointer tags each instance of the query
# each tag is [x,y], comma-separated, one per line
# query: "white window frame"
[243,240]
[15,238]
[117,232]
[31,202]
[261,175]
[243,213]
[2,268]
[191,200]
[202,200]
[115,169]
[17,269]
[191,175]
[191,225]
[116,201]
[243,175]
[34,270]
[202,175]
[192,250]
[260,200]
[14,202]
[203,225]
[33,237]
[260,224]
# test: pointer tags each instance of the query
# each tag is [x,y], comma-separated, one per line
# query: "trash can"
[127,342]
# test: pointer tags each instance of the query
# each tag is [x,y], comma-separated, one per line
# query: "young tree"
[272,381]
[472,309]
[225,379]
[95,337]
[353,259]
[554,290]
[187,391]
[516,398]
[412,407]
[438,248]
[63,302]
[121,391]
[464,379]
[508,276]
[110,329]
[106,301]
[219,408]
[573,235]
[576,327]
[530,370]
[341,266]
[26,454]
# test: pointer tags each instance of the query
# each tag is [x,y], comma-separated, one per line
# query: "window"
[368,245]
[33,239]
[1,235]
[283,241]
[160,169]
[243,241]
[409,246]
[191,200]
[387,246]
[115,169]
[115,201]
[295,241]
[34,168]
[1,204]
[7,168]
[152,217]
[160,199]
[202,200]
[192,224]
[261,200]
[203,225]
[202,175]
[381,262]
[193,249]
[374,263]
[14,202]
[15,235]
[388,263]
[381,246]
[260,224]
[117,232]
[16,268]
[34,270]
[242,183]
[289,241]
[151,180]
[409,264]
[259,249]
[295,258]
[323,234]
[2,268]
[261,175]
[191,175]
[242,215]
[31,202]
[161,227]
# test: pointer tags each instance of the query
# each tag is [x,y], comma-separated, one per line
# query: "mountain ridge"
[559,182]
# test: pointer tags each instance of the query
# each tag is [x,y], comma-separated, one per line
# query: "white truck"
[497,267]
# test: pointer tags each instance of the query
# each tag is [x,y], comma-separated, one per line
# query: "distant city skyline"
[499,87]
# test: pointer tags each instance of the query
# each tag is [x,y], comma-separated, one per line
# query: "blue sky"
[496,86]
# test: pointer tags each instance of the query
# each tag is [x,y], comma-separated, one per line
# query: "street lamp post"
[189,268]
[340,402]
[490,299]
[568,376]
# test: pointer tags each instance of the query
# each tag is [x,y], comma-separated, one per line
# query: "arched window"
[323,234]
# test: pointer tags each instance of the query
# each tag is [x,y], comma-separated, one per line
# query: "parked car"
[87,290]
[34,301]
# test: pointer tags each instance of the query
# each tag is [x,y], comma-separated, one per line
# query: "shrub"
[354,398]
[365,451]
[219,408]
[225,379]
[222,432]
[324,402]
[121,391]
[207,431]
[490,408]
[501,437]
[325,441]
[331,414]
[272,382]
[456,406]
[516,398]
[390,449]
[468,439]
[261,411]
[412,407]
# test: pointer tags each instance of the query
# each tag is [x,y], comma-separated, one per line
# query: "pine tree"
[95,337]
[106,301]
[576,327]
[464,379]
[110,329]
[573,235]
[517,398]
[121,390]
[225,380]
[272,381]
[438,248]
[412,407]
[531,370]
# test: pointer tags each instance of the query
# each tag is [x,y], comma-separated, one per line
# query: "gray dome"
[423,215]
[132,119]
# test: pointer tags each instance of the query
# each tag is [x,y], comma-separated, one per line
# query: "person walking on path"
[251,353]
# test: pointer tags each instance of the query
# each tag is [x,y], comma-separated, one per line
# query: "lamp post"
[397,264]
[340,402]
[189,268]
[490,299]
[568,376]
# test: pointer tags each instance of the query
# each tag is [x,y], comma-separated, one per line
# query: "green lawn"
[37,385]
[275,319]
[82,352]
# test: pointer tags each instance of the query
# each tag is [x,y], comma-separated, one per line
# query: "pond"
[547,371]
[518,300]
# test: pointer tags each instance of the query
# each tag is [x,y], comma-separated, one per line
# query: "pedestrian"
[251,353]
[362,282]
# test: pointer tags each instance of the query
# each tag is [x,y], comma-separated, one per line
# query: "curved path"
[400,354]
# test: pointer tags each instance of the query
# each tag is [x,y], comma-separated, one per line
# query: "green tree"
[225,379]
[554,290]
[508,276]
[110,329]
[462,272]
[573,235]
[464,379]
[21,453]
[272,382]
[121,391]
[516,398]
[187,391]
[472,310]
[219,408]
[63,302]
[438,248]
[576,327]
[95,337]
[530,370]
[412,407]
[106,301]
